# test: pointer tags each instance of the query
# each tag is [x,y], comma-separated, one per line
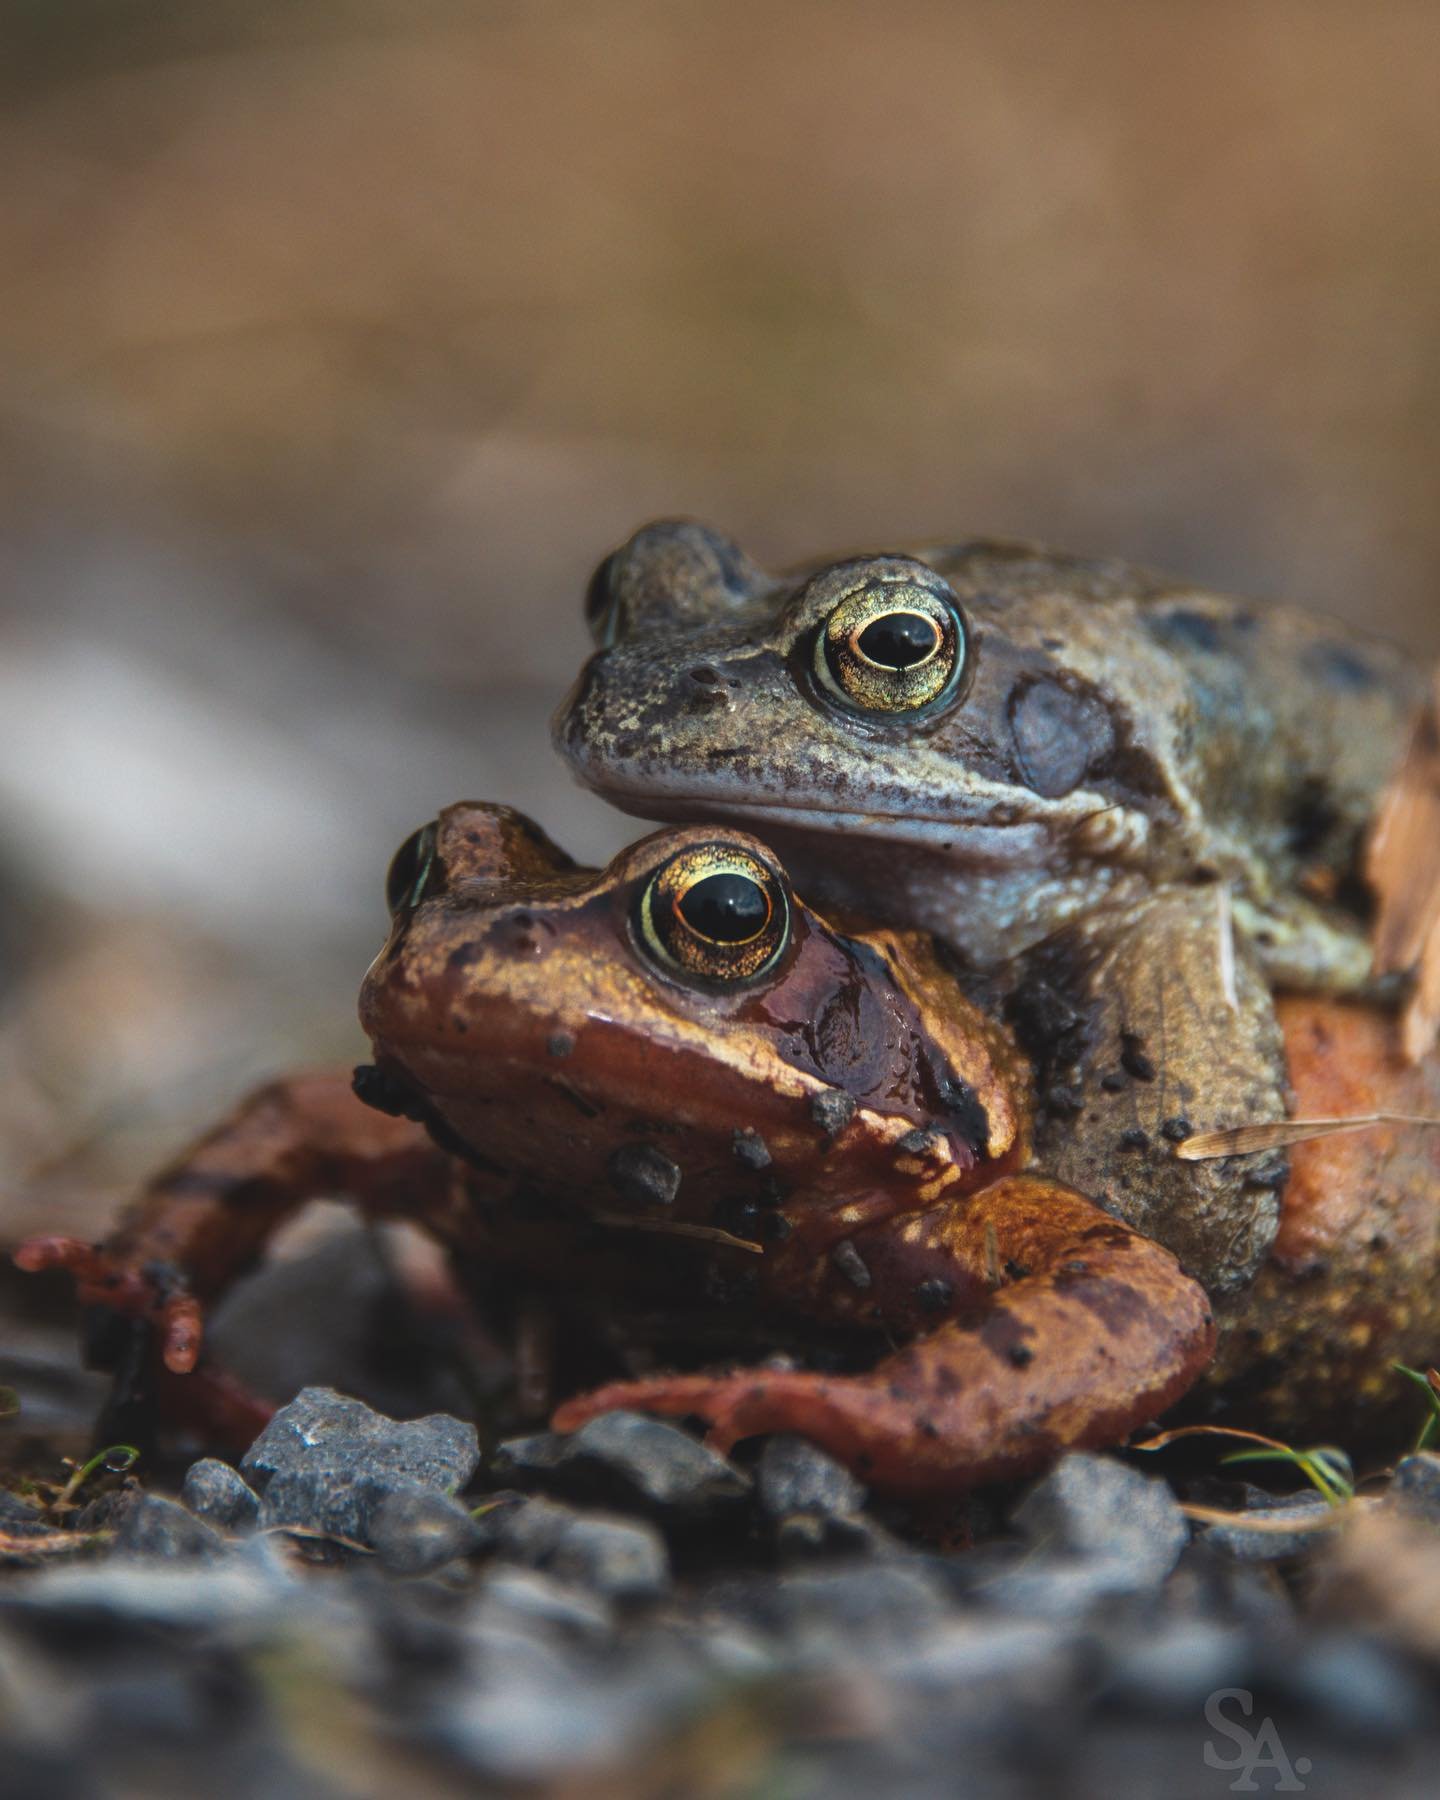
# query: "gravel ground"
[367,1606]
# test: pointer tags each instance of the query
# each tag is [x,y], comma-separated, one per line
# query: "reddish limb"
[207,1217]
[1092,1330]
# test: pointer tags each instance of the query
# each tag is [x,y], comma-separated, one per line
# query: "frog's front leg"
[1146,1027]
[1056,1327]
[206,1218]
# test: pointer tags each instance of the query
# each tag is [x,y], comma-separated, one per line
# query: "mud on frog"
[673,1082]
[1133,807]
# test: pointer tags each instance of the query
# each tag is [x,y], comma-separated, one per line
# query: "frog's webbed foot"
[144,1326]
[152,1294]
[1093,1331]
[208,1217]
[1148,1026]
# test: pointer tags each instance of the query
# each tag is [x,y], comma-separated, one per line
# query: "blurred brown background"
[339,339]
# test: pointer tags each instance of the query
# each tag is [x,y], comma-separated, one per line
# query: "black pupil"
[727,909]
[899,640]
[406,866]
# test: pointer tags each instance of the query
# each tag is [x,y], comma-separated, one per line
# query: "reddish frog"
[673,1083]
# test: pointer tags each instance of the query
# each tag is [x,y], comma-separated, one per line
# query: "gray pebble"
[18,1518]
[1065,1587]
[627,1459]
[1358,1686]
[214,1492]
[1268,1539]
[158,1528]
[804,1536]
[1415,1486]
[415,1531]
[509,1591]
[881,1601]
[1172,1668]
[796,1476]
[335,1503]
[1094,1506]
[321,1429]
[623,1559]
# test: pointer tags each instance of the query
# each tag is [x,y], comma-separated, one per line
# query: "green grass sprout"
[1326,1467]
[115,1458]
[1429,1385]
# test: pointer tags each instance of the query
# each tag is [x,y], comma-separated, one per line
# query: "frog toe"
[152,1294]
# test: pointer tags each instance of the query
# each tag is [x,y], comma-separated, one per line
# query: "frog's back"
[1271,726]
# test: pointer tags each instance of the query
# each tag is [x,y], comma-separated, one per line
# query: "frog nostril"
[707,688]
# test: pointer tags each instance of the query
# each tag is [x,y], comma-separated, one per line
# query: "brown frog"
[1134,807]
[673,1083]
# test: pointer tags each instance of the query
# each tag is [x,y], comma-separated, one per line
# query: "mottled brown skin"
[1352,1282]
[1126,774]
[562,1080]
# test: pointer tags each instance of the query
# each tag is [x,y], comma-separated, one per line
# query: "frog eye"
[601,613]
[714,912]
[892,646]
[410,870]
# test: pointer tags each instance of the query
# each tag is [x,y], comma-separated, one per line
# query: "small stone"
[1285,1525]
[18,1518]
[332,1503]
[214,1492]
[1135,1139]
[108,1511]
[622,1559]
[416,1531]
[643,1176]
[918,1142]
[796,1476]
[1174,1666]
[1094,1506]
[1358,1686]
[832,1110]
[1415,1486]
[750,1148]
[806,1536]
[848,1260]
[1062,1587]
[1175,1130]
[627,1459]
[162,1529]
[875,1600]
[527,1596]
[321,1429]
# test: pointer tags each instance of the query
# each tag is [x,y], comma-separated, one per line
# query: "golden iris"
[891,646]
[714,912]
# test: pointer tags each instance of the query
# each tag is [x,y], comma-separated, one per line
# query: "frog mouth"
[979,842]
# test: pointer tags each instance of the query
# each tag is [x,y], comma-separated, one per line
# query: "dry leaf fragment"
[1402,865]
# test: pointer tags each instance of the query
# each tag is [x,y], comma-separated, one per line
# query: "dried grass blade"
[1279,1134]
